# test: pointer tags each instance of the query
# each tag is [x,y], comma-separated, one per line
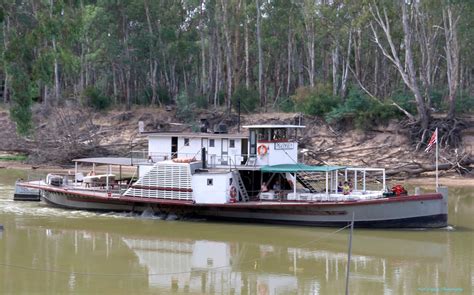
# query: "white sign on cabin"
[284,145]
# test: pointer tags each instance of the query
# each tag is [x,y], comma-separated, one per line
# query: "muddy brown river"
[44,250]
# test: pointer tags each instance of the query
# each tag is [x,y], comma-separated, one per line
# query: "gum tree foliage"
[153,52]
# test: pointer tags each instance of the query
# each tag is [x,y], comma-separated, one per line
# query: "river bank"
[71,133]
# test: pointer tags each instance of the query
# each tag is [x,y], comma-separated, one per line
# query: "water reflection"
[199,258]
[46,250]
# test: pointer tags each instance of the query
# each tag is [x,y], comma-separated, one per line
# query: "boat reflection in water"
[246,268]
[236,259]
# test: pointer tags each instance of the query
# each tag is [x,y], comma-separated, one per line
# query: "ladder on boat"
[240,186]
[301,179]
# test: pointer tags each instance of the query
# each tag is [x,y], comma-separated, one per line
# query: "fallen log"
[413,169]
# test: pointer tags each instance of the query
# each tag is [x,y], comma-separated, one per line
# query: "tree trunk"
[152,63]
[228,53]
[247,54]
[420,103]
[57,89]
[217,70]
[6,32]
[260,56]
[335,67]
[452,57]
[346,63]
[407,72]
[204,79]
[290,52]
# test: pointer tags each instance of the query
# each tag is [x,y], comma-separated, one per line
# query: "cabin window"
[186,142]
[210,181]
[211,142]
[232,143]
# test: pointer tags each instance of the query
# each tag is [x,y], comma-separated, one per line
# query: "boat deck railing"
[68,183]
[213,160]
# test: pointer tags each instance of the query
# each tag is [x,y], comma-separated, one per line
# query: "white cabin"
[262,145]
[273,144]
[216,167]
[221,149]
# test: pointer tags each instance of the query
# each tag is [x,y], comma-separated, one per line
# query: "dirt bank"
[69,133]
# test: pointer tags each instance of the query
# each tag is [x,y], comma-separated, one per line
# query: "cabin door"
[244,149]
[225,151]
[174,147]
[253,142]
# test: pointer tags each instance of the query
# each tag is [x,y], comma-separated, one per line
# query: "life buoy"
[233,192]
[262,150]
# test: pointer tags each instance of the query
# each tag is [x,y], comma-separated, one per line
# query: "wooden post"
[349,252]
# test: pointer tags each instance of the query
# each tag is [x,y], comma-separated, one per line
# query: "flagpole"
[437,151]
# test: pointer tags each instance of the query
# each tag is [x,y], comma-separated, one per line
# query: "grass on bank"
[17,158]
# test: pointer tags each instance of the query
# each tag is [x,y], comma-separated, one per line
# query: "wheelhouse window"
[232,143]
[274,134]
[186,142]
[279,134]
[211,142]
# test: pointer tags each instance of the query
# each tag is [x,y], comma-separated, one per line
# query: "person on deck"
[264,187]
[92,173]
[277,186]
[346,189]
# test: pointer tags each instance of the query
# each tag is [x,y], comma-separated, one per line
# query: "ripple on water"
[35,209]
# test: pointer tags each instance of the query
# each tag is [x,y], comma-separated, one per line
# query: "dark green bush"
[248,98]
[362,110]
[317,101]
[285,104]
[184,108]
[437,100]
[405,100]
[96,99]
[464,103]
[201,101]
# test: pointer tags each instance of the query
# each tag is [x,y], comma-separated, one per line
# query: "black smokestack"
[203,158]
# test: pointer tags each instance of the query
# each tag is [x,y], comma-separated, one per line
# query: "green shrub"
[317,101]
[163,95]
[464,103]
[13,158]
[362,110]
[184,108]
[437,100]
[405,100]
[96,99]
[248,98]
[285,104]
[201,101]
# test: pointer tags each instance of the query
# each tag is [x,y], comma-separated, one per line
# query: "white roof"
[119,161]
[195,135]
[272,126]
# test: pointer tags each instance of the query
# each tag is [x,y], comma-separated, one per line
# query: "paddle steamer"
[253,177]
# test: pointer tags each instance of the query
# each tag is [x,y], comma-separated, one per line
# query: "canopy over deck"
[294,168]
[118,161]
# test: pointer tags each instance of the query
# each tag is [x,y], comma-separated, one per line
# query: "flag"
[433,140]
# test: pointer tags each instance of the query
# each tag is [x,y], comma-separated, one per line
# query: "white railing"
[213,160]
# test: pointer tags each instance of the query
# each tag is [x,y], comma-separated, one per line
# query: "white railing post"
[363,183]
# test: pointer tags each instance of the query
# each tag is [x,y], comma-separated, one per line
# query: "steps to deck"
[240,186]
[301,179]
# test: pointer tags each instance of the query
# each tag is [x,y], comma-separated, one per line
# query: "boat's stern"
[444,203]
